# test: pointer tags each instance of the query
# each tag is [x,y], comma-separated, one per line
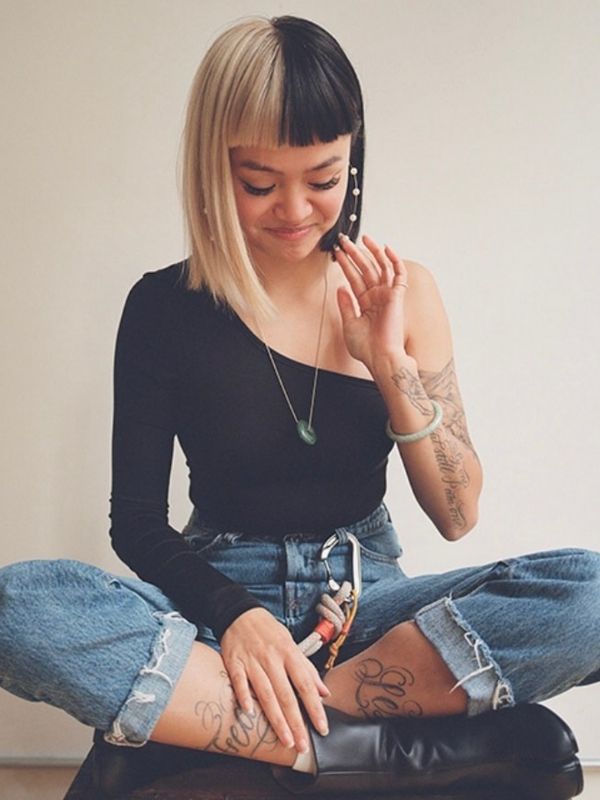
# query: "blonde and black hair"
[283,81]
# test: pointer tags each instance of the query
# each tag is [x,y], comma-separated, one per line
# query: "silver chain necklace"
[304,428]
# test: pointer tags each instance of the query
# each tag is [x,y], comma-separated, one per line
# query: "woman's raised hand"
[378,281]
[261,658]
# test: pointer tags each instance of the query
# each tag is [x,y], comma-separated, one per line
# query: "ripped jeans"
[109,650]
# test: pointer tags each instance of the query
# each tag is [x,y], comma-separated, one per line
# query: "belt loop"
[387,511]
[342,535]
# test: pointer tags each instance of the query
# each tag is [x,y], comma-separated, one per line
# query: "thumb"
[345,305]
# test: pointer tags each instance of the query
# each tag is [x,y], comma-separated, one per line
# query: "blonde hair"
[240,97]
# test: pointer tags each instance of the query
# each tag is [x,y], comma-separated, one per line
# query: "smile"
[291,234]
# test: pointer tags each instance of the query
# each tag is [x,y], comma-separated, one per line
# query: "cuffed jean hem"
[156,680]
[467,656]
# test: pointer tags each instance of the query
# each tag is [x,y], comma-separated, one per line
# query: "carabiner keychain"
[337,610]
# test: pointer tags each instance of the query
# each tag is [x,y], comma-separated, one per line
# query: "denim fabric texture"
[109,650]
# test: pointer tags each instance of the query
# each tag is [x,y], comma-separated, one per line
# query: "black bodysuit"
[187,367]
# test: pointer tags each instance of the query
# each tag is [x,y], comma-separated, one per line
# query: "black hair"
[322,100]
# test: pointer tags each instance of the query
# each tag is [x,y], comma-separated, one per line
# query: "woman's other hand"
[262,659]
[373,320]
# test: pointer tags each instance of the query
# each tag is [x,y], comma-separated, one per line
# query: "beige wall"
[483,128]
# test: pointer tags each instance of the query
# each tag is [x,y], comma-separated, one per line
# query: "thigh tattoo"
[383,691]
[244,735]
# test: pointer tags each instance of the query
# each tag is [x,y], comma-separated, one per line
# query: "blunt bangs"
[295,86]
[321,93]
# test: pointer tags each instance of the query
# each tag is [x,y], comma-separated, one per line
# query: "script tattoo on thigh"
[233,730]
[382,691]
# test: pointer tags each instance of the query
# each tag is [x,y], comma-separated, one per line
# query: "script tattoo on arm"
[234,731]
[454,476]
[443,387]
[382,691]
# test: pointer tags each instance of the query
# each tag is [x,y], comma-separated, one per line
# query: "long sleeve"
[144,426]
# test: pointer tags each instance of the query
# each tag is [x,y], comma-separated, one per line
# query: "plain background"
[483,127]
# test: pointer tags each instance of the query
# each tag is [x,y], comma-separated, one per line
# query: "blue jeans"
[108,650]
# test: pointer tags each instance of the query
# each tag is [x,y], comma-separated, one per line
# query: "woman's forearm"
[443,468]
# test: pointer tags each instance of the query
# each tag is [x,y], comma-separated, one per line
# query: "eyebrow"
[264,168]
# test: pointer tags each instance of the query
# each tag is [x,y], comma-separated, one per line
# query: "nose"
[294,207]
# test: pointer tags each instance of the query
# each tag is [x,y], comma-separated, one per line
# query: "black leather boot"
[117,770]
[525,752]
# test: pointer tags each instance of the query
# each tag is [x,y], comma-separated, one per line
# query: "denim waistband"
[363,527]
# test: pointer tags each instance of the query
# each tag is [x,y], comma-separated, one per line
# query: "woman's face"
[289,197]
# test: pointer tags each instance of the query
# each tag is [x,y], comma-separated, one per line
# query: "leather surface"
[525,748]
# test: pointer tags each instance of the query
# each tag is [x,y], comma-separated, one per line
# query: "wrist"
[229,614]
[385,365]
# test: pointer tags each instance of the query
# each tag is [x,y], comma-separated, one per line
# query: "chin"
[296,254]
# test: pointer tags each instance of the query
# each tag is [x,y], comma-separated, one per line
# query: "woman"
[289,361]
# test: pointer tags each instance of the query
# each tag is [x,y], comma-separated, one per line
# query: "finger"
[364,264]
[269,703]
[353,275]
[289,705]
[309,693]
[399,267]
[241,688]
[345,305]
[319,682]
[380,257]
[323,688]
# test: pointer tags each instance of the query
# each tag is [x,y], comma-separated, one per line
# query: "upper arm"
[144,421]
[428,340]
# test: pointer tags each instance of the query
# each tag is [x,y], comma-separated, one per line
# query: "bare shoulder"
[427,330]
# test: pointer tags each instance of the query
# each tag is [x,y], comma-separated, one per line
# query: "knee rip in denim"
[161,650]
[116,735]
[502,693]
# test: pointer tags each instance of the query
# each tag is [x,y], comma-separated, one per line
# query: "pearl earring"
[355,191]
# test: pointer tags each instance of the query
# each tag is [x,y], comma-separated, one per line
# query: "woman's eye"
[262,191]
[329,185]
[257,189]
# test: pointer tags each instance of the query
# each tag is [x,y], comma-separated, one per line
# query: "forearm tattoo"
[242,736]
[443,387]
[383,691]
[454,476]
[409,384]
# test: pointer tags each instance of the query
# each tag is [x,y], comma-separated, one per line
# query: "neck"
[296,282]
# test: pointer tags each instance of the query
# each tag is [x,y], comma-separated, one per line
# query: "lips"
[290,233]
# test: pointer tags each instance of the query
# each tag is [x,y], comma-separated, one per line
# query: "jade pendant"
[306,432]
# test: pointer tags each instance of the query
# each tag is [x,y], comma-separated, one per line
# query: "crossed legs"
[203,713]
[75,636]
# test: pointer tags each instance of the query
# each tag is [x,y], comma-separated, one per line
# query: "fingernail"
[323,729]
[288,741]
[336,247]
[303,746]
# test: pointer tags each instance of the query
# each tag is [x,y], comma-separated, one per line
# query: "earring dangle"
[356,192]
